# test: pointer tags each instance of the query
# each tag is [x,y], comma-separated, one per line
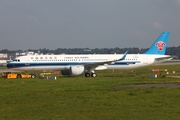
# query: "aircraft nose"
[10,65]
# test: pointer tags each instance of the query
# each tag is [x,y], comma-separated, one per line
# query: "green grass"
[80,98]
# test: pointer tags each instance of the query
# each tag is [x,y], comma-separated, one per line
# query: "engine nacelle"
[77,70]
[74,70]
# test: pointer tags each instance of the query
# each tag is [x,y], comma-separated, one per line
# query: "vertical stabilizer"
[159,46]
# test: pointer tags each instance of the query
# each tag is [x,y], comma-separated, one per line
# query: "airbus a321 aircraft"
[85,64]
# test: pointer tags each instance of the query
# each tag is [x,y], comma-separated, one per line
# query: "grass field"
[103,98]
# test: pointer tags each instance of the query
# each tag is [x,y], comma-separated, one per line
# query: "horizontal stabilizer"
[164,58]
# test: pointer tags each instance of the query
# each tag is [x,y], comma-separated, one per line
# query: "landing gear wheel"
[87,75]
[93,74]
[19,76]
[33,76]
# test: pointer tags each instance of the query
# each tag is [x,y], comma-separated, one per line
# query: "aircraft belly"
[120,67]
[49,68]
[40,68]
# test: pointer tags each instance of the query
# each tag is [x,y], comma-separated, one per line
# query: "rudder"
[159,46]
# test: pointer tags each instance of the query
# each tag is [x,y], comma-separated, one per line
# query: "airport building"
[27,53]
[3,56]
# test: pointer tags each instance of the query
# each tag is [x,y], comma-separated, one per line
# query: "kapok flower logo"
[160,45]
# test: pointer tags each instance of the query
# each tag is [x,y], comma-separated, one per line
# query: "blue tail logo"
[159,46]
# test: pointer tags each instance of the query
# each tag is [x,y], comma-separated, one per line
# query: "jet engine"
[74,70]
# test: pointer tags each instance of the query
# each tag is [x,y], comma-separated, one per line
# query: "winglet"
[124,56]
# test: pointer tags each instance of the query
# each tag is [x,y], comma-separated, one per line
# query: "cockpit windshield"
[16,60]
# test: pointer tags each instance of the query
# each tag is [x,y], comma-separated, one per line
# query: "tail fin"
[159,46]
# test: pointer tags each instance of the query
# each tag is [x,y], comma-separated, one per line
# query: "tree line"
[174,51]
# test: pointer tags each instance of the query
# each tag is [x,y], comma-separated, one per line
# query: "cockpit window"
[16,60]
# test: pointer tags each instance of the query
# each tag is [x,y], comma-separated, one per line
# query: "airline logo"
[160,45]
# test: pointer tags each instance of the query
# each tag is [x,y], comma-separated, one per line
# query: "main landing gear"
[92,74]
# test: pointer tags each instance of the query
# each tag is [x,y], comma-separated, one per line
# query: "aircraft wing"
[94,65]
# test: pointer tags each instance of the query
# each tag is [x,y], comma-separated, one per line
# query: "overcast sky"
[52,24]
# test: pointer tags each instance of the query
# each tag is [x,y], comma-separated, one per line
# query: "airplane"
[85,64]
[4,62]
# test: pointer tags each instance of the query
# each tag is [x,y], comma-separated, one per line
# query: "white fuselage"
[64,62]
